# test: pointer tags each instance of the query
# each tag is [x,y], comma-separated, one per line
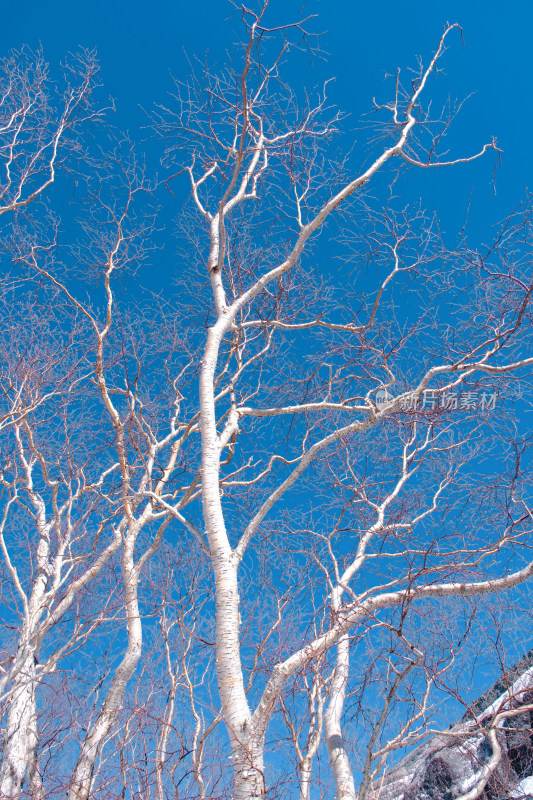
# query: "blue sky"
[139,43]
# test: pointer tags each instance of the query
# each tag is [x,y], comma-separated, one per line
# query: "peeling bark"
[20,736]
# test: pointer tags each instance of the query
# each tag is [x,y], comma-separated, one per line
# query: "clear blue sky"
[138,43]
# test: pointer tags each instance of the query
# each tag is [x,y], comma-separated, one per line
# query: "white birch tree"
[244,142]
[323,445]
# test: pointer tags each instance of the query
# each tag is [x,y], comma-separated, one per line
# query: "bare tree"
[332,410]
[323,444]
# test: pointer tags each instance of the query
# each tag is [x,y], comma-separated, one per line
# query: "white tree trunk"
[340,764]
[20,735]
[246,744]
[316,708]
[20,738]
[82,778]
[306,769]
[162,742]
[36,784]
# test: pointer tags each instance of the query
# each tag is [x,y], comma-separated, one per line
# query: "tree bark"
[20,736]
[340,764]
[83,775]
[246,744]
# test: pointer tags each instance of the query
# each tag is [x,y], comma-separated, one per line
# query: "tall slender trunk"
[246,744]
[340,764]
[20,737]
[82,779]
[162,741]
[316,707]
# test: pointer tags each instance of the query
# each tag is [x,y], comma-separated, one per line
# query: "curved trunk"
[246,744]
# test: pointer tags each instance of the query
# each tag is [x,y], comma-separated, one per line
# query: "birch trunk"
[246,744]
[163,742]
[36,784]
[83,775]
[306,769]
[20,737]
[340,764]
